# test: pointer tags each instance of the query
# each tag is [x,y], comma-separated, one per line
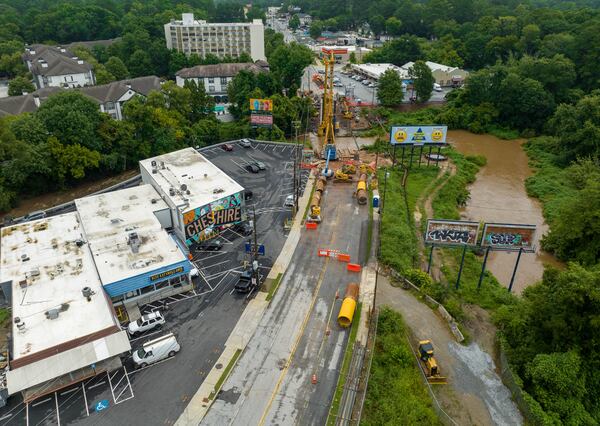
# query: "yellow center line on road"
[297,342]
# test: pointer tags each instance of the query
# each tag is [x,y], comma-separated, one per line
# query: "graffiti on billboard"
[451,232]
[501,236]
[204,222]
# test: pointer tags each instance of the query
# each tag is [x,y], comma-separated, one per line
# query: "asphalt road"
[201,319]
[272,382]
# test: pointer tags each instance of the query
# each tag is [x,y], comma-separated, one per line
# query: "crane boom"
[326,128]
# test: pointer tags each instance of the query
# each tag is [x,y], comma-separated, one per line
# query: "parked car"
[260,165]
[289,201]
[244,284]
[243,228]
[227,147]
[156,350]
[245,143]
[359,101]
[35,215]
[252,168]
[194,272]
[146,322]
[211,245]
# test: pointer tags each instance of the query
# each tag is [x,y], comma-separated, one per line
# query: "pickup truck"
[244,284]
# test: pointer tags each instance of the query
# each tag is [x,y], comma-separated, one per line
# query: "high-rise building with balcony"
[199,37]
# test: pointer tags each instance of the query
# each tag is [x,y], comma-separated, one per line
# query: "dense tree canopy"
[389,89]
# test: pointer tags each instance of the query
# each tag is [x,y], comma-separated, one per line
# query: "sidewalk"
[246,325]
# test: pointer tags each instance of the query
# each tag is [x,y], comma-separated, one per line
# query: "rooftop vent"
[218,190]
[171,191]
[87,293]
[115,220]
[153,201]
[183,187]
[205,175]
[79,242]
[24,258]
[162,165]
[19,323]
[52,313]
[33,273]
[134,241]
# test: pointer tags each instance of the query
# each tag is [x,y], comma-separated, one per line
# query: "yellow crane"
[326,129]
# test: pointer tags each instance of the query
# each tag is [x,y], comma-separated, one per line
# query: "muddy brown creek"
[498,195]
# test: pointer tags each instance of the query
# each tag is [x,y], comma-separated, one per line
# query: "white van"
[437,87]
[156,350]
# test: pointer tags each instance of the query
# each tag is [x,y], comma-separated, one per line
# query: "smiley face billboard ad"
[418,135]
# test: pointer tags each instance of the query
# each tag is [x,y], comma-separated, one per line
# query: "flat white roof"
[351,48]
[433,66]
[204,181]
[376,70]
[59,267]
[109,219]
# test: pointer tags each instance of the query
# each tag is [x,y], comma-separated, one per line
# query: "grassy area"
[370,227]
[312,191]
[225,373]
[274,287]
[396,392]
[335,404]
[399,244]
[4,316]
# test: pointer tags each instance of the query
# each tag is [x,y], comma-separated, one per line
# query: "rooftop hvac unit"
[183,187]
[34,273]
[134,241]
[24,257]
[52,314]
[87,293]
[171,191]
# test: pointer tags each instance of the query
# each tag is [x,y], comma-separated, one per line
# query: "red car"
[227,147]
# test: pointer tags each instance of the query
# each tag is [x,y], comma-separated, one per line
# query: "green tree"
[201,104]
[399,51]
[140,63]
[393,26]
[557,74]
[205,132]
[352,58]
[117,68]
[423,80]
[377,24]
[315,30]
[294,22]
[71,161]
[102,75]
[287,63]
[18,85]
[11,65]
[72,118]
[389,89]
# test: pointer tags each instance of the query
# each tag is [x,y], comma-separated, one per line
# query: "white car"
[146,322]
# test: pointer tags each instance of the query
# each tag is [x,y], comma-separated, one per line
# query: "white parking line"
[5,416]
[240,166]
[216,264]
[87,409]
[214,255]
[41,402]
[111,388]
[151,365]
[57,410]
[145,336]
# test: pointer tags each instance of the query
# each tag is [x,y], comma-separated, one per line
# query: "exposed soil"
[474,394]
[42,202]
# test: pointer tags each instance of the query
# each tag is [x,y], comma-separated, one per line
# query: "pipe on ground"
[348,305]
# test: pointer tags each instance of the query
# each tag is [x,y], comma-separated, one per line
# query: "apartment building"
[199,37]
[55,66]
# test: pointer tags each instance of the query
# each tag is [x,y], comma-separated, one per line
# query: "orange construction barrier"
[343,257]
[311,225]
[354,267]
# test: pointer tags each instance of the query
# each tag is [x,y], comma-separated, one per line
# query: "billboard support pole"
[420,155]
[430,259]
[437,163]
[412,149]
[512,279]
[394,157]
[462,262]
[487,252]
[402,161]
[429,155]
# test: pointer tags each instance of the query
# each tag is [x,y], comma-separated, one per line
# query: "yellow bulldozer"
[429,364]
[341,176]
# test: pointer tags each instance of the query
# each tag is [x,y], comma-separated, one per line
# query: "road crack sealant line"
[296,343]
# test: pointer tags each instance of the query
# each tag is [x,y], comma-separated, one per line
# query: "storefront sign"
[509,237]
[450,232]
[213,218]
[418,135]
[166,274]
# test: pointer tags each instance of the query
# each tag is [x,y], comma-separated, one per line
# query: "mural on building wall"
[209,220]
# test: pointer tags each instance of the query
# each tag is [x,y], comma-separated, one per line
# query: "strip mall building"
[73,278]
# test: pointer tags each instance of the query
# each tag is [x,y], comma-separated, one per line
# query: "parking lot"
[202,319]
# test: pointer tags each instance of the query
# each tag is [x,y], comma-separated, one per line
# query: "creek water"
[498,195]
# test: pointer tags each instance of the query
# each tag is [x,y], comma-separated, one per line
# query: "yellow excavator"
[430,367]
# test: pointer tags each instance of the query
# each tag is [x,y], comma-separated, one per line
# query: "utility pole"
[254,249]
[296,125]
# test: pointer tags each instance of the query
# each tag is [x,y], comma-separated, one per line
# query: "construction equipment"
[429,364]
[348,305]
[341,176]
[314,214]
[346,108]
[349,168]
[326,128]
[361,190]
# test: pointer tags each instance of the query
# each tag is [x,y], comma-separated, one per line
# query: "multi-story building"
[215,78]
[55,66]
[199,37]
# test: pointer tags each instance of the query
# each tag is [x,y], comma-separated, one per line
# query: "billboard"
[261,120]
[261,105]
[418,135]
[451,232]
[205,222]
[509,237]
